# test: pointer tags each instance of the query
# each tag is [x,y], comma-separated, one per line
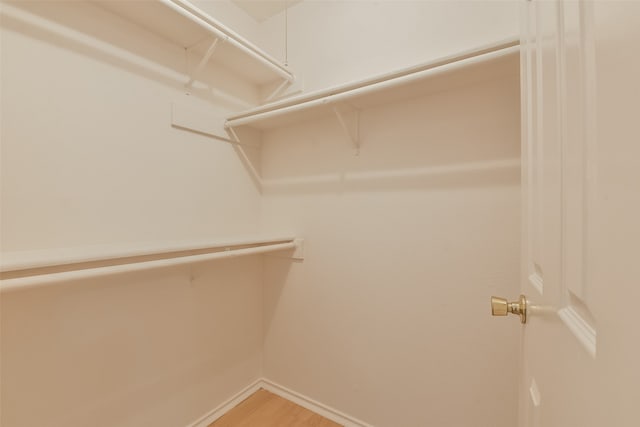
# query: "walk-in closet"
[295,213]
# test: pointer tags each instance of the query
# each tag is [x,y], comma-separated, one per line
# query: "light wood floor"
[265,409]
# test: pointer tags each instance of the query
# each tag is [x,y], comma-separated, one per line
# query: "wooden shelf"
[184,24]
[455,70]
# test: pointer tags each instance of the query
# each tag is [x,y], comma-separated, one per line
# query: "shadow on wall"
[279,269]
[504,172]
[91,31]
[446,140]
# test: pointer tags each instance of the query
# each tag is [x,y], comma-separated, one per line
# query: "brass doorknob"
[501,307]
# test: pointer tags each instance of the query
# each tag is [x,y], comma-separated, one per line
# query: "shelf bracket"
[205,59]
[255,174]
[354,135]
[281,87]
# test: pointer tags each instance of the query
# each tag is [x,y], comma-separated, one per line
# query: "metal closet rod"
[126,266]
[227,35]
[350,91]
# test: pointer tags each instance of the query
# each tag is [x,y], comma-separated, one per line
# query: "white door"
[581,214]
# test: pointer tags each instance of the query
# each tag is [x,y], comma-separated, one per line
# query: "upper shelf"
[462,68]
[182,23]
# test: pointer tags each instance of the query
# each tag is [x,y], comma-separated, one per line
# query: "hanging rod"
[349,91]
[39,270]
[227,35]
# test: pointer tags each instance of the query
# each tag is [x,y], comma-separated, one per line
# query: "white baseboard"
[300,399]
[229,404]
[312,405]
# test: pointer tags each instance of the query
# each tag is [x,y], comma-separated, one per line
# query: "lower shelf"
[28,269]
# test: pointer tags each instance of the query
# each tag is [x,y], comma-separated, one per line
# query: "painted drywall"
[418,240]
[162,347]
[89,157]
[87,137]
[332,42]
[387,319]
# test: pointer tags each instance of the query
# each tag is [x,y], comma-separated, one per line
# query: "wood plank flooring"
[265,409]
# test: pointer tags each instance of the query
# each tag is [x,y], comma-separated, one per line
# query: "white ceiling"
[264,9]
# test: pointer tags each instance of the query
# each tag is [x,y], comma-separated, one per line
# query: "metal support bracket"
[281,87]
[255,174]
[354,135]
[205,59]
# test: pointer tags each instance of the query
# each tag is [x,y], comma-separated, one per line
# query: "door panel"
[581,186]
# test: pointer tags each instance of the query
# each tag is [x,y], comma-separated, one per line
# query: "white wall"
[87,137]
[387,319]
[333,42]
[153,348]
[89,158]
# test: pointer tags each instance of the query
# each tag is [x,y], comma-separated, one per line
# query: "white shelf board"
[456,70]
[24,260]
[164,21]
